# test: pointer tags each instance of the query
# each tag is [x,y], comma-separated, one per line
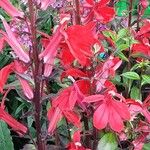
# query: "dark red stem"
[77,12]
[36,75]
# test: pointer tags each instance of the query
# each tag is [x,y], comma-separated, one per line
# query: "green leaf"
[122,47]
[110,34]
[146,146]
[131,75]
[122,33]
[135,93]
[145,79]
[108,142]
[121,55]
[5,137]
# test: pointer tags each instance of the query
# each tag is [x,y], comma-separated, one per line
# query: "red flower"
[103,72]
[18,127]
[109,111]
[143,37]
[80,40]
[76,144]
[19,69]
[64,104]
[102,12]
[50,51]
[4,73]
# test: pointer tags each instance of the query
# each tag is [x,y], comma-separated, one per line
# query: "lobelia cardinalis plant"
[101,71]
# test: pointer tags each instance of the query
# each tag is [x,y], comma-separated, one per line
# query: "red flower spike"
[10,9]
[4,73]
[109,112]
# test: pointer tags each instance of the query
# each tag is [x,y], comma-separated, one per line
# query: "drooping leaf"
[145,79]
[5,137]
[108,142]
[131,75]
[135,93]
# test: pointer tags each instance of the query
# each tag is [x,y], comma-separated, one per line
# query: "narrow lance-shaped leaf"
[5,137]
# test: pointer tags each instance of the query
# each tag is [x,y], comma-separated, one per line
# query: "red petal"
[121,109]
[100,118]
[4,73]
[104,14]
[115,120]
[93,98]
[73,118]
[10,9]
[12,41]
[74,73]
[54,116]
[46,3]
[16,126]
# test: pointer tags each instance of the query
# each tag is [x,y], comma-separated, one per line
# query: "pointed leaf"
[5,137]
[108,142]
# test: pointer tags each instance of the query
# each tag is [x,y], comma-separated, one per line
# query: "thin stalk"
[77,12]
[36,75]
[130,13]
[129,63]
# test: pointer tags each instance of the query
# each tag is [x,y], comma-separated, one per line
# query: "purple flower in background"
[59,4]
[20,29]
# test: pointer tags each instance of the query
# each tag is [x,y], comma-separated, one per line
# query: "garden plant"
[75,74]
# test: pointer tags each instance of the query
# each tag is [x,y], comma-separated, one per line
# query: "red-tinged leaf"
[73,118]
[76,73]
[12,41]
[101,116]
[115,121]
[14,124]
[10,9]
[54,116]
[4,73]
[93,98]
